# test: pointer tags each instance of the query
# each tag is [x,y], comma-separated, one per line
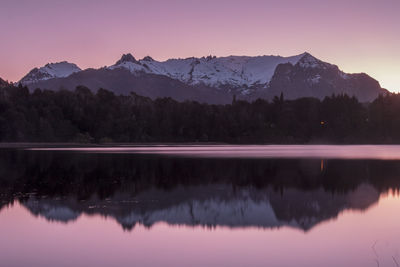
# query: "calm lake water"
[200,206]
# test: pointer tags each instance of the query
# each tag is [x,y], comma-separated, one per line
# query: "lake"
[200,205]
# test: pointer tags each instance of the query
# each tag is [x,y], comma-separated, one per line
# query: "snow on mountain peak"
[49,71]
[309,61]
[237,71]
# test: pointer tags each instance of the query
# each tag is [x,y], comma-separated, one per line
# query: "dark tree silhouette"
[82,116]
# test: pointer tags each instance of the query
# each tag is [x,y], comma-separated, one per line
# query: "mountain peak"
[308,57]
[126,58]
[57,63]
[61,65]
[307,54]
[49,71]
[148,58]
[309,61]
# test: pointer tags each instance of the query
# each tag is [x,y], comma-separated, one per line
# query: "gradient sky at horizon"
[356,35]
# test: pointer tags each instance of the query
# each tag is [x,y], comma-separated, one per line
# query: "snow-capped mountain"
[237,71]
[211,79]
[50,71]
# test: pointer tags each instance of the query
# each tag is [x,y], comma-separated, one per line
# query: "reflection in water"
[62,208]
[211,206]
[265,193]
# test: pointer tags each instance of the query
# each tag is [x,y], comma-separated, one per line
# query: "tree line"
[103,117]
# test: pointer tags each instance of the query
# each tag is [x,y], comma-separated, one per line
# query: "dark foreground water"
[200,206]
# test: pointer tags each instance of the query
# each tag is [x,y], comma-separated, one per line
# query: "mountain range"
[211,79]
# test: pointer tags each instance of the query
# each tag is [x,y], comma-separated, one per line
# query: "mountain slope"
[121,81]
[310,77]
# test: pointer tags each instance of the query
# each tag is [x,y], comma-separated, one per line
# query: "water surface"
[200,206]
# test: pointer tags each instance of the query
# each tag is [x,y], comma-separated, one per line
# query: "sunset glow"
[357,35]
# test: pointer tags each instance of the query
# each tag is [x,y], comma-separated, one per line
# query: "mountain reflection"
[145,190]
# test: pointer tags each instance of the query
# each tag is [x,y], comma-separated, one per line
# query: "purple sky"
[357,35]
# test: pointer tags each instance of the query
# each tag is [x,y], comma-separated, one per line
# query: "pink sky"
[357,35]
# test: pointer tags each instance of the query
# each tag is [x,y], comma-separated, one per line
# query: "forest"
[81,116]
